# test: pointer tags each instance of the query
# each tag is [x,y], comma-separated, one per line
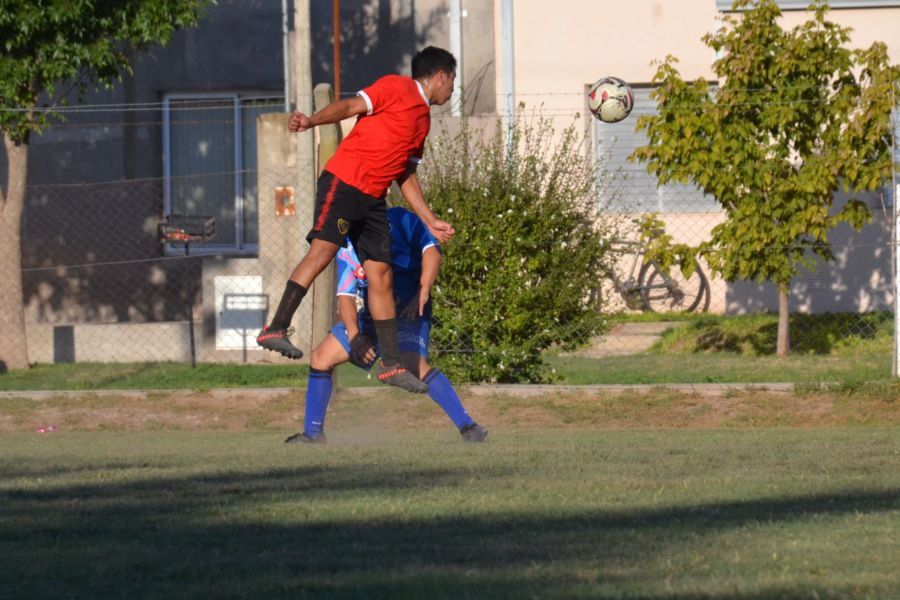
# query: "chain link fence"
[100,285]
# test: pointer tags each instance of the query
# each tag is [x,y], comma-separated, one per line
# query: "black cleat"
[473,432]
[400,377]
[277,340]
[307,438]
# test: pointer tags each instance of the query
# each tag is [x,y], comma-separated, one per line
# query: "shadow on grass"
[240,534]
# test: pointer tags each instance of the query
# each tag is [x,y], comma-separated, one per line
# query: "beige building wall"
[557,52]
[869,25]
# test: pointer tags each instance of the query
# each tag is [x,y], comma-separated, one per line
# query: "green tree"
[52,49]
[517,277]
[795,117]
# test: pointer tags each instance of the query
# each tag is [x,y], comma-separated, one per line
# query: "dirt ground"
[657,408]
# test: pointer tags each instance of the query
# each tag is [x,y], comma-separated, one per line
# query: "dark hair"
[430,60]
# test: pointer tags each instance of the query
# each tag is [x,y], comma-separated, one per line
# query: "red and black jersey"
[384,140]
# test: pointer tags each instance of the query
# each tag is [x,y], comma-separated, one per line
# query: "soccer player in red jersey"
[385,145]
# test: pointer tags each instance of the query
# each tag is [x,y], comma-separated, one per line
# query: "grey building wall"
[95,181]
[379,37]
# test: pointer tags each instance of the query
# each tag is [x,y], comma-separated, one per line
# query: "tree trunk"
[13,345]
[782,344]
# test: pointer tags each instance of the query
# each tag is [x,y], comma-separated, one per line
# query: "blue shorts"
[412,336]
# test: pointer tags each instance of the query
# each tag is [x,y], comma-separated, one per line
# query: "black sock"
[386,330]
[293,294]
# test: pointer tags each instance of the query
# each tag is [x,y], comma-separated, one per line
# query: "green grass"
[698,349]
[842,348]
[652,368]
[537,513]
[162,376]
[719,368]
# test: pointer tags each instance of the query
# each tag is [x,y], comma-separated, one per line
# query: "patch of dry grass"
[386,409]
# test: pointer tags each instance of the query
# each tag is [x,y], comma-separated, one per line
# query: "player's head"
[435,68]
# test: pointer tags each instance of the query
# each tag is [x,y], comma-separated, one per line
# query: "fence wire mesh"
[99,286]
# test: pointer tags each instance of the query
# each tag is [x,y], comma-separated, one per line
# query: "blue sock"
[441,391]
[318,393]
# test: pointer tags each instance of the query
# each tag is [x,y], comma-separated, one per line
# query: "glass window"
[628,187]
[209,162]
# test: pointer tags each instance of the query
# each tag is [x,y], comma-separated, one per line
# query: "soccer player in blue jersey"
[415,261]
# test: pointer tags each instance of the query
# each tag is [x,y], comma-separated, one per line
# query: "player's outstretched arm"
[362,351]
[333,113]
[431,264]
[412,193]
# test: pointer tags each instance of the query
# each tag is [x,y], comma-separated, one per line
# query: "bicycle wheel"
[671,291]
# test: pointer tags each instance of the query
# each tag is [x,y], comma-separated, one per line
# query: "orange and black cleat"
[400,377]
[277,340]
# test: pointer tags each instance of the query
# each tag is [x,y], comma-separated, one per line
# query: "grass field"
[532,514]
[698,349]
[655,495]
[577,494]
[652,368]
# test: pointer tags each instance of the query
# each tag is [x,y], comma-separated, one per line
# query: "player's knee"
[320,254]
[378,276]
[319,360]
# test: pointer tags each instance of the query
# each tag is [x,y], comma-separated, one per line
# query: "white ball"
[610,99]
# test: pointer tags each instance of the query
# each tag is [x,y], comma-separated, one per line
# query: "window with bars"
[627,187]
[210,164]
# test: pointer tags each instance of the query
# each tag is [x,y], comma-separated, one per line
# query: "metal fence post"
[895,237]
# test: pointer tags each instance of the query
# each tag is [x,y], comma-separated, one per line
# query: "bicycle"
[651,288]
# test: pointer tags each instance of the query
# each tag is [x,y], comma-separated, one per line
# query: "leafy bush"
[517,277]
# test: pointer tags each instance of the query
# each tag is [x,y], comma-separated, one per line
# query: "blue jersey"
[409,240]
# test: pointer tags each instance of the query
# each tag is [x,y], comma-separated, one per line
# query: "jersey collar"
[422,91]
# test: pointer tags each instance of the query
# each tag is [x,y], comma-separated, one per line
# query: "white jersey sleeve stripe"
[368,100]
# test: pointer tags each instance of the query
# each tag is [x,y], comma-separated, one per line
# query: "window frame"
[599,152]
[238,246]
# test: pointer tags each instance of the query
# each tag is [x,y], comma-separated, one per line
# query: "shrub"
[517,278]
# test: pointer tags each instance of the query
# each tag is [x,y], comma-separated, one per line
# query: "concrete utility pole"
[322,292]
[301,61]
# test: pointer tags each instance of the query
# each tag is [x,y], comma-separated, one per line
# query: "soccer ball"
[610,99]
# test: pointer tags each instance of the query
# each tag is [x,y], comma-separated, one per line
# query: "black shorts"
[344,212]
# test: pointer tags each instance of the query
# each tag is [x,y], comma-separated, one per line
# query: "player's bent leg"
[318,394]
[319,255]
[381,307]
[276,336]
[380,282]
[324,358]
[328,354]
[443,393]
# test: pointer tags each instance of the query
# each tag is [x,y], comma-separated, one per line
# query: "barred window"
[628,188]
[209,163]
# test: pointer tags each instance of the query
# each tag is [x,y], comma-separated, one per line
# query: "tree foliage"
[51,51]
[517,276]
[53,47]
[795,117]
